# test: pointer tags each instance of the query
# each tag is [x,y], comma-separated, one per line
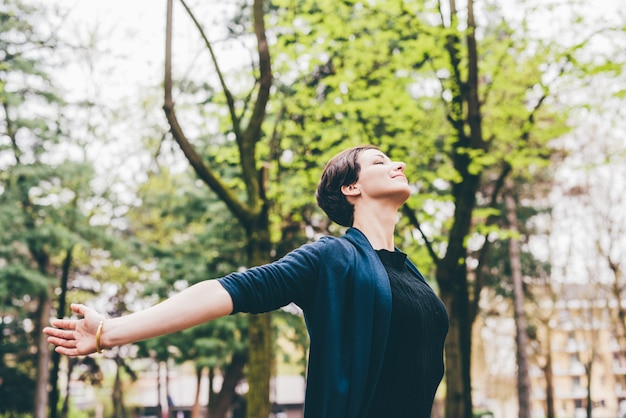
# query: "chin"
[403,195]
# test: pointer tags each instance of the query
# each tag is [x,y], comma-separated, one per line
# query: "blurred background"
[148,145]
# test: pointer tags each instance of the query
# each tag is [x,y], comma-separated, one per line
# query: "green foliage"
[46,200]
[191,237]
[18,363]
[385,79]
[29,234]
[291,343]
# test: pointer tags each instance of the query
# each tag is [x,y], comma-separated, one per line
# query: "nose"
[399,165]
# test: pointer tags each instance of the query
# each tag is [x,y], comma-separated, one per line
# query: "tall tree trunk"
[259,368]
[252,214]
[588,370]
[259,330]
[219,403]
[158,391]
[195,411]
[42,258]
[65,409]
[457,349]
[454,287]
[56,357]
[167,387]
[547,372]
[43,358]
[464,115]
[211,387]
[521,338]
[119,411]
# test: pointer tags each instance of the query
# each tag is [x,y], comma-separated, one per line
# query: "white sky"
[133,31]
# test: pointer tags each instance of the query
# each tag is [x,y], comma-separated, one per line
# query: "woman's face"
[381,178]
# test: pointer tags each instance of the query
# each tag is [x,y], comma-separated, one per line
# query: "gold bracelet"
[98,334]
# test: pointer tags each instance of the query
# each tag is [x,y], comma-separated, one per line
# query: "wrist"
[108,337]
[99,346]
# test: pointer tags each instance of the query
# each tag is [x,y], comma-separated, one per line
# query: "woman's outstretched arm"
[197,304]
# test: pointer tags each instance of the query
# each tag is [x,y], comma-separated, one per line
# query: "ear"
[350,190]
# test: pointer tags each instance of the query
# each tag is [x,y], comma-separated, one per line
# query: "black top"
[413,363]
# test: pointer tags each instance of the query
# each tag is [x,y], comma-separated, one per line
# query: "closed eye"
[380,159]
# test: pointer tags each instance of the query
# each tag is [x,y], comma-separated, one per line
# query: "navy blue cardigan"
[343,289]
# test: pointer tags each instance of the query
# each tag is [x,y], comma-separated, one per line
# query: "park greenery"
[489,104]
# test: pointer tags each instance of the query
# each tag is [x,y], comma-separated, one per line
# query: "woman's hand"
[75,337]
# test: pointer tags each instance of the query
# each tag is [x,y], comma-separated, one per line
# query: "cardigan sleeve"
[271,286]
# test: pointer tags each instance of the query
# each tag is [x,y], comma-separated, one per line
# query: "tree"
[523,380]
[35,194]
[463,104]
[252,211]
[48,203]
[403,77]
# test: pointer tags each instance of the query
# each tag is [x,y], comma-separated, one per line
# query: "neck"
[378,227]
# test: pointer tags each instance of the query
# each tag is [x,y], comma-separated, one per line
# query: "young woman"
[376,328]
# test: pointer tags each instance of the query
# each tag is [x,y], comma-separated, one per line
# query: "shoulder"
[344,245]
[327,247]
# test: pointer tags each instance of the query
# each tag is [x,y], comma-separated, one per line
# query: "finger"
[60,333]
[72,352]
[51,331]
[78,308]
[63,323]
[62,342]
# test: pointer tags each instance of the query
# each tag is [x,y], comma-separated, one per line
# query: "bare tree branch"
[208,176]
[229,97]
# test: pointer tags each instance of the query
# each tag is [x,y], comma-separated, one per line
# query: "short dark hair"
[342,170]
